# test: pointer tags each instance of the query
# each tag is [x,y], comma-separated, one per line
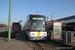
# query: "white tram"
[35,27]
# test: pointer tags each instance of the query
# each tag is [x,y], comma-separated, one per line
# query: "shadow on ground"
[20,37]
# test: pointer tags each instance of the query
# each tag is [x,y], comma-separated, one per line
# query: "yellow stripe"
[38,34]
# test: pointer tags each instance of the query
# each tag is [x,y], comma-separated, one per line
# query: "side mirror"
[29,23]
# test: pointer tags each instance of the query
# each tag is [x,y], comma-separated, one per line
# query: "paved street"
[19,43]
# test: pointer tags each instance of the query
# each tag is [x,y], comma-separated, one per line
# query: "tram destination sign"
[37,18]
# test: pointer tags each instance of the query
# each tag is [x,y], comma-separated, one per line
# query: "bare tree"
[3,25]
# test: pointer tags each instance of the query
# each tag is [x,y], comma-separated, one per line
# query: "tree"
[3,25]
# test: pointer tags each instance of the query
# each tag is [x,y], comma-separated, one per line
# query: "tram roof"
[37,14]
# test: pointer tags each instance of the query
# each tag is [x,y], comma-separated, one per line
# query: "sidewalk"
[18,43]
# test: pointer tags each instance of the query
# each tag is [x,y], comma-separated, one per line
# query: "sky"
[22,8]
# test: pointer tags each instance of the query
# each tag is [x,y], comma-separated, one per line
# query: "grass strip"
[2,29]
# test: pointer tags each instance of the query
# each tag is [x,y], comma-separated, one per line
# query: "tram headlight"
[32,34]
[44,34]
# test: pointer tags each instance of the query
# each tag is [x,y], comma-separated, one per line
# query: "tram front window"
[37,23]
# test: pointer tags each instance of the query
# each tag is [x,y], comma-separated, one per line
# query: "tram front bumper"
[39,38]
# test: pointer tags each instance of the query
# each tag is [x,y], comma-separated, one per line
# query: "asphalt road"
[17,43]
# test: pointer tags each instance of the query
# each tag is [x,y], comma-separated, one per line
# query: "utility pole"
[51,16]
[9,32]
[37,13]
[20,26]
[47,18]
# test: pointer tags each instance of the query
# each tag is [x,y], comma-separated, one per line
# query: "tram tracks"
[48,45]
[41,48]
[43,45]
[39,45]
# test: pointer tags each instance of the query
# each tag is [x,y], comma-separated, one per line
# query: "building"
[68,23]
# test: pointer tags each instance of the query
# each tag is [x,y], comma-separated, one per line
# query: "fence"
[68,36]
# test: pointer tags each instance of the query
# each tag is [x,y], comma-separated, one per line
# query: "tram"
[35,27]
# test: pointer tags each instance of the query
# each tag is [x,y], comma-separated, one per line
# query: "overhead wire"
[32,6]
[64,9]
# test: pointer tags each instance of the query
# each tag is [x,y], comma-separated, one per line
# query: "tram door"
[49,29]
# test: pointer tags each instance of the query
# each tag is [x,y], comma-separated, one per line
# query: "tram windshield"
[37,23]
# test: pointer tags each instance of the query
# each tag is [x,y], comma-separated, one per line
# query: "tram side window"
[27,22]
